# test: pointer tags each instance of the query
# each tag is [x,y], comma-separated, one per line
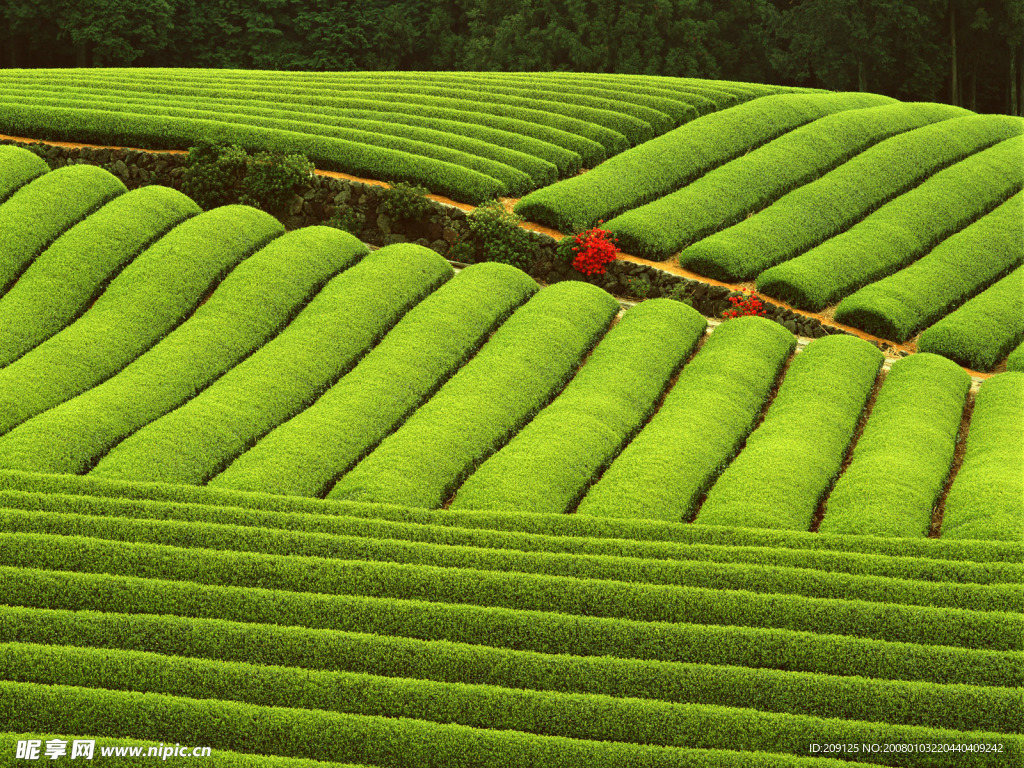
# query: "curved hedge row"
[18,167]
[987,497]
[42,209]
[409,743]
[549,464]
[252,304]
[65,278]
[486,402]
[791,460]
[546,631]
[894,701]
[822,209]
[668,162]
[725,195]
[567,533]
[1015,362]
[539,112]
[958,268]
[348,317]
[701,423]
[305,455]
[901,231]
[55,122]
[750,577]
[903,457]
[532,156]
[320,529]
[543,137]
[136,310]
[981,332]
[588,717]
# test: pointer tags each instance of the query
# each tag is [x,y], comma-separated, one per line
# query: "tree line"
[965,52]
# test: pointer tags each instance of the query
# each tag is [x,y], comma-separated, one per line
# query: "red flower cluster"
[742,306]
[594,249]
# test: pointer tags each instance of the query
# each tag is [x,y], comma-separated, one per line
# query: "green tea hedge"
[545,631]
[42,209]
[547,467]
[838,200]
[145,302]
[900,232]
[254,303]
[987,497]
[353,312]
[985,329]
[959,267]
[18,167]
[902,460]
[305,455]
[752,181]
[515,374]
[322,528]
[702,422]
[665,164]
[791,460]
[65,278]
[964,707]
[566,532]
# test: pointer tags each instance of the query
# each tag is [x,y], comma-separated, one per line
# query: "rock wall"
[358,203]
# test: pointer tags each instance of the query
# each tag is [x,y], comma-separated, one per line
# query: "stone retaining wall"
[325,196]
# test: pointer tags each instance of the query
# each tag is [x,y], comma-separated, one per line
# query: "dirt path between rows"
[669,265]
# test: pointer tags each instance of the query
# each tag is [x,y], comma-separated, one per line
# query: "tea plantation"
[310,504]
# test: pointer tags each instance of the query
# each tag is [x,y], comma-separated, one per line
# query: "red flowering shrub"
[742,306]
[594,249]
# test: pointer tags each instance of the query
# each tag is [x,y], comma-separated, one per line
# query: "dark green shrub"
[214,174]
[271,179]
[495,235]
[405,201]
[346,219]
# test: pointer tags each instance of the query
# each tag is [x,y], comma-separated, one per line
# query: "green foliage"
[272,179]
[347,219]
[162,131]
[815,212]
[770,690]
[1015,362]
[494,234]
[790,461]
[910,435]
[250,306]
[701,424]
[483,405]
[350,315]
[987,497]
[134,312]
[900,232]
[59,285]
[985,329]
[754,180]
[42,209]
[547,466]
[432,341]
[114,522]
[69,498]
[218,175]
[959,267]
[214,174]
[405,201]
[18,167]
[672,160]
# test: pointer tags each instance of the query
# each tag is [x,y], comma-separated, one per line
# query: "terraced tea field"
[308,504]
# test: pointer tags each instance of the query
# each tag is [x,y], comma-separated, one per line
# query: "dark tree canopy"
[968,52]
